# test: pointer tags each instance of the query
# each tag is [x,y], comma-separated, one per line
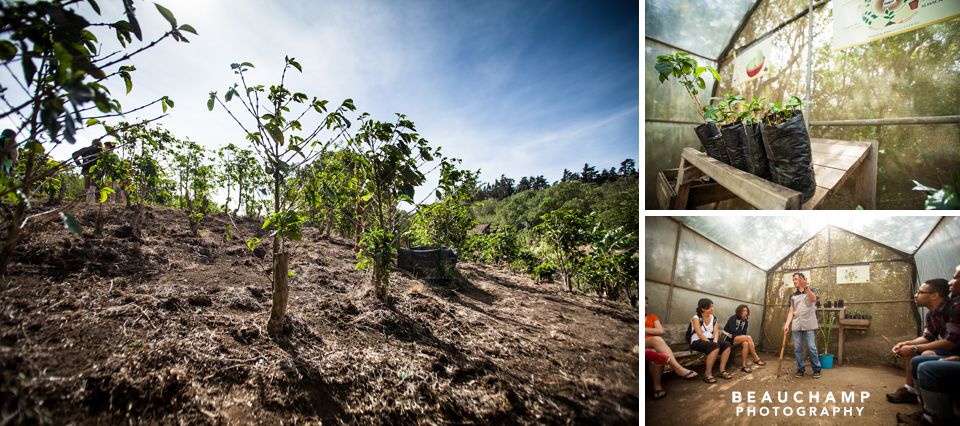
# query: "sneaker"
[902,396]
[911,419]
[816,374]
[798,375]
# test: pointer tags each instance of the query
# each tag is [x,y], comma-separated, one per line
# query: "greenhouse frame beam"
[905,121]
[681,49]
[805,11]
[733,38]
[667,120]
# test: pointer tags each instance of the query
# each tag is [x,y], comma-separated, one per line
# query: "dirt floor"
[701,403]
[171,329]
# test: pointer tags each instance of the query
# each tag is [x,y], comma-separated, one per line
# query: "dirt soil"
[701,403]
[172,329]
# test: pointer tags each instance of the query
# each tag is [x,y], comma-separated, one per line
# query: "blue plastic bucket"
[826,361]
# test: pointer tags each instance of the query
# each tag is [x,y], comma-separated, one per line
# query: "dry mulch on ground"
[171,328]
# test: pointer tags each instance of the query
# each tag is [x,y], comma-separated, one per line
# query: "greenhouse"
[867,90]
[865,273]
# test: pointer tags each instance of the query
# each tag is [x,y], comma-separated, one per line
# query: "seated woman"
[705,339]
[653,341]
[737,327]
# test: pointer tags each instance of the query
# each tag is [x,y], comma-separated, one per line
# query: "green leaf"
[188,28]
[7,50]
[92,121]
[663,68]
[167,14]
[70,223]
[274,132]
[127,81]
[213,96]
[716,75]
[94,6]
[247,64]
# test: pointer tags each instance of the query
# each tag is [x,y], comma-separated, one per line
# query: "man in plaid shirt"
[941,334]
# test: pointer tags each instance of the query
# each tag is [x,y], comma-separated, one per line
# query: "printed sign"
[853,274]
[754,62]
[860,21]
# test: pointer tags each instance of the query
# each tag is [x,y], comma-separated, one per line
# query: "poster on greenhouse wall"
[861,21]
[754,62]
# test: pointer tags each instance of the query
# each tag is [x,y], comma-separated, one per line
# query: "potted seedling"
[756,152]
[732,131]
[788,149]
[826,358]
[689,73]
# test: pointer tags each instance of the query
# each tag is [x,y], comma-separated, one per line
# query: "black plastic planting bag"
[735,142]
[788,151]
[712,141]
[756,152]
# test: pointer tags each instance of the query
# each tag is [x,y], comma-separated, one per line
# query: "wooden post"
[676,188]
[281,292]
[866,189]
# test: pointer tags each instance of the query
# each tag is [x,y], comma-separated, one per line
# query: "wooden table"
[834,161]
[842,324]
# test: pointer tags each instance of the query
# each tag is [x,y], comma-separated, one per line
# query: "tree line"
[504,186]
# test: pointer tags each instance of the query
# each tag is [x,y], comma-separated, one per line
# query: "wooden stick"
[782,347]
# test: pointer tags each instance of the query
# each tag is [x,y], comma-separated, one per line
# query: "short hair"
[800,274]
[741,308]
[939,285]
[9,133]
[703,305]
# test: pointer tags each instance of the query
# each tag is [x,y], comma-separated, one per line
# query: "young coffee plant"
[391,156]
[564,232]
[283,146]
[688,72]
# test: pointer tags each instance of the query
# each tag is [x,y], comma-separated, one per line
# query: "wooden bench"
[701,179]
[673,334]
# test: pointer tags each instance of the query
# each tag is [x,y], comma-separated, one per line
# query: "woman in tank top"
[705,339]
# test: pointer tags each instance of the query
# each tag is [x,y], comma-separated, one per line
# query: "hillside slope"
[172,329]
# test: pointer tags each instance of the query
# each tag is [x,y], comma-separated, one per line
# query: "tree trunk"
[137,223]
[13,238]
[280,294]
[381,280]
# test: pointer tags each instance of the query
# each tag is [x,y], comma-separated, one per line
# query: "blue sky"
[511,87]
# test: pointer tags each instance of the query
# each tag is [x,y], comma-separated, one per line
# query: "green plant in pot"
[755,151]
[787,145]
[725,114]
[826,358]
[679,66]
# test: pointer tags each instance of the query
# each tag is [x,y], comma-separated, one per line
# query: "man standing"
[802,319]
[941,336]
[85,158]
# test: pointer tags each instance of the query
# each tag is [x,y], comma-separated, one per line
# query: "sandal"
[746,370]
[659,394]
[759,362]
[710,379]
[690,375]
[725,375]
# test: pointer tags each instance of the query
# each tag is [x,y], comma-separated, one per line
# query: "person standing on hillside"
[8,155]
[86,158]
[802,319]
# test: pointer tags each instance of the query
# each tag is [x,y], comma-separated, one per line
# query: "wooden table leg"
[840,349]
[866,186]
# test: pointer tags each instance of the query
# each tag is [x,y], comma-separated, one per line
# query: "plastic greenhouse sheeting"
[766,240]
[940,254]
[704,27]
